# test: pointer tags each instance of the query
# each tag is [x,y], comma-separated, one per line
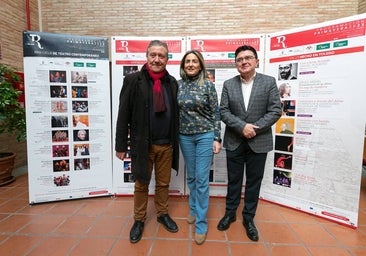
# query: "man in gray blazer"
[250,105]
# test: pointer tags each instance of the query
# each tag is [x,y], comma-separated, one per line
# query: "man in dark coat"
[147,125]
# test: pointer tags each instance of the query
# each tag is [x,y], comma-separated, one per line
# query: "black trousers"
[254,169]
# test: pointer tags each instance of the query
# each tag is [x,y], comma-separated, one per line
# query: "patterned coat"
[264,109]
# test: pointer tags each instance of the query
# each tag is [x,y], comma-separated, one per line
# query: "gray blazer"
[264,110]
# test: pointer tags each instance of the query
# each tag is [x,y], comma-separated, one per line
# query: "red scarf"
[158,98]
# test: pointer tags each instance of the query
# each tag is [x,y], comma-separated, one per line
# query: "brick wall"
[189,17]
[155,18]
[13,21]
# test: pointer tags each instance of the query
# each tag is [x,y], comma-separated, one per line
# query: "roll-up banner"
[67,89]
[321,76]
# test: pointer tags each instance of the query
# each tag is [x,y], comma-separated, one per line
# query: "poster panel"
[219,54]
[317,160]
[128,55]
[68,116]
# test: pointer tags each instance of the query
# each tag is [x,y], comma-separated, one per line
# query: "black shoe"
[225,222]
[168,223]
[252,231]
[136,231]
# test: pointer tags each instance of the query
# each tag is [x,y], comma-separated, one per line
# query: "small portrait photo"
[59,121]
[79,106]
[287,71]
[58,91]
[285,126]
[61,165]
[59,106]
[60,150]
[81,135]
[211,75]
[128,177]
[129,70]
[60,136]
[79,91]
[283,161]
[63,180]
[80,121]
[79,77]
[284,90]
[284,143]
[288,107]
[127,165]
[81,149]
[282,178]
[57,76]
[81,164]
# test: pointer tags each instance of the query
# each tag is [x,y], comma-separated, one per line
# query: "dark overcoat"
[135,102]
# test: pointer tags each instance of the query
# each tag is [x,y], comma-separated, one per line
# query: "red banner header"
[130,46]
[223,45]
[323,34]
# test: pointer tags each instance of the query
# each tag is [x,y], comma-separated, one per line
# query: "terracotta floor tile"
[19,245]
[267,212]
[93,246]
[281,250]
[15,222]
[210,248]
[120,208]
[36,208]
[14,205]
[313,234]
[74,225]
[124,247]
[357,251]
[249,249]
[328,251]
[345,235]
[66,207]
[93,207]
[55,246]
[107,226]
[164,247]
[277,233]
[42,224]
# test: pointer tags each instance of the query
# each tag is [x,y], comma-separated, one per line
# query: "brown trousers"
[160,159]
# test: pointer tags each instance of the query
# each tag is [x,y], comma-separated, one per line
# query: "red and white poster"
[219,54]
[129,55]
[317,160]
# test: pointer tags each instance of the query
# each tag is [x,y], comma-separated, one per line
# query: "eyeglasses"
[245,58]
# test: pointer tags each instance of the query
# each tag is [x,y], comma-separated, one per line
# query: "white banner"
[67,92]
[319,139]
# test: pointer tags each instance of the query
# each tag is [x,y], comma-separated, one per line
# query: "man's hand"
[249,131]
[120,155]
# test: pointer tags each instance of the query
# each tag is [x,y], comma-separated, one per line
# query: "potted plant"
[12,118]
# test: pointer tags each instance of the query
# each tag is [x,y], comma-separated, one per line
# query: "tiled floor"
[100,226]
